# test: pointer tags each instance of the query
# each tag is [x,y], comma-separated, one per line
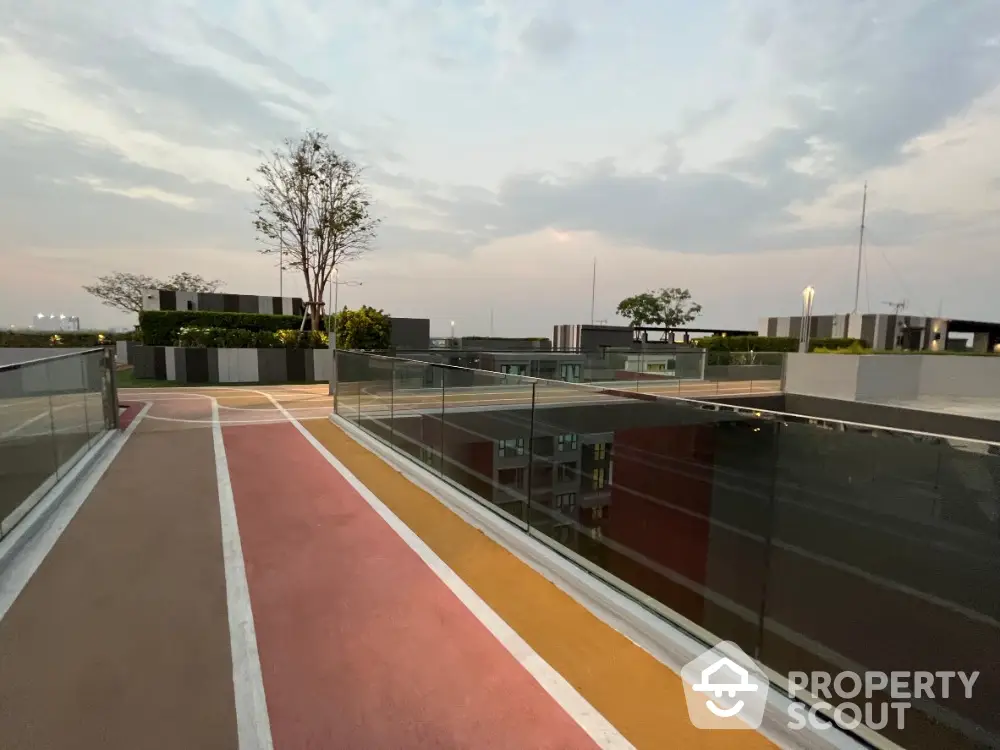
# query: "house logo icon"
[725,689]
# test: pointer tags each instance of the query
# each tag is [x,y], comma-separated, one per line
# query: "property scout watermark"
[875,699]
[726,689]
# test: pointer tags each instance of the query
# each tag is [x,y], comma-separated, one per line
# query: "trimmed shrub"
[769,343]
[42,339]
[161,327]
[238,338]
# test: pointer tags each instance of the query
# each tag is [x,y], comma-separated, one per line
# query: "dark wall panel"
[212,302]
[249,304]
[196,365]
[230,303]
[272,366]
[868,329]
[277,306]
[297,307]
[168,300]
[295,364]
[160,362]
[180,363]
[772,326]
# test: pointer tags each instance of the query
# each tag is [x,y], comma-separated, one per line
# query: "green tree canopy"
[365,328]
[669,307]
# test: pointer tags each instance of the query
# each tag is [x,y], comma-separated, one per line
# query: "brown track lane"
[120,640]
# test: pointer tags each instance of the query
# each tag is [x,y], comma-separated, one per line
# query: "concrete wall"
[826,375]
[887,378]
[881,378]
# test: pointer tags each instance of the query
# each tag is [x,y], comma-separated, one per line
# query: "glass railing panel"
[67,378]
[27,445]
[886,557]
[93,366]
[351,374]
[634,492]
[417,397]
[375,397]
[486,421]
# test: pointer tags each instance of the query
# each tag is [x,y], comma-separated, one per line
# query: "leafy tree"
[313,210]
[640,309]
[365,328]
[669,307]
[676,307]
[123,291]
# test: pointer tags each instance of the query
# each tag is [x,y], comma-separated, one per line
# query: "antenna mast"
[861,244]
[593,292]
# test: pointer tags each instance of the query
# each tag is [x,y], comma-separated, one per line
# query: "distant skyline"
[716,145]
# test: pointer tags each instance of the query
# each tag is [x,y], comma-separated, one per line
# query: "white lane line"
[575,705]
[253,726]
[30,558]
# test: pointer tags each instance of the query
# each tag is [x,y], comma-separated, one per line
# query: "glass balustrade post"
[444,393]
[770,523]
[392,400]
[531,457]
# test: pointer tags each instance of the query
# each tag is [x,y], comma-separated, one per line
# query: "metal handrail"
[713,405]
[66,355]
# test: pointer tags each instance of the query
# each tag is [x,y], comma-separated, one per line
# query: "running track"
[244,575]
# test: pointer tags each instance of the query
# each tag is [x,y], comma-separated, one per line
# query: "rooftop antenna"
[593,292]
[861,244]
[897,307]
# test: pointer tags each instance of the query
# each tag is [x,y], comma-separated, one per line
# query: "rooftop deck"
[240,573]
[243,568]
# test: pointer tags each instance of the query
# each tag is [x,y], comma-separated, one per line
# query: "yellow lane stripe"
[640,696]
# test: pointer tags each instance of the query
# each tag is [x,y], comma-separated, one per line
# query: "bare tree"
[191,282]
[123,291]
[313,208]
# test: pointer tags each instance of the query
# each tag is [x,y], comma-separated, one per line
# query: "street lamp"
[808,294]
[335,283]
[453,330]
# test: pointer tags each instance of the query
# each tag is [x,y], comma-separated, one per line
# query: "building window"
[512,447]
[511,477]
[566,472]
[597,514]
[600,451]
[598,478]
[656,367]
[567,442]
[566,502]
[514,369]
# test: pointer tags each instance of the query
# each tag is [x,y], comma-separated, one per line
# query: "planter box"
[196,365]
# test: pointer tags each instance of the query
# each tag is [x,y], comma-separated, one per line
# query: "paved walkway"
[246,575]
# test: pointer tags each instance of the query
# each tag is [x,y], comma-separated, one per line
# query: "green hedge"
[41,339]
[768,343]
[161,327]
[239,338]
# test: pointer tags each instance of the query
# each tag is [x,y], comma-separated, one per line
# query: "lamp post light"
[808,294]
[335,284]
[453,330]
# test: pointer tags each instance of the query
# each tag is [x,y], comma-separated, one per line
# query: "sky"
[719,145]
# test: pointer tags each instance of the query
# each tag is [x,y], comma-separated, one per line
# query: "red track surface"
[376,652]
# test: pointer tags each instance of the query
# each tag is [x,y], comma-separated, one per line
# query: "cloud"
[548,38]
[721,146]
